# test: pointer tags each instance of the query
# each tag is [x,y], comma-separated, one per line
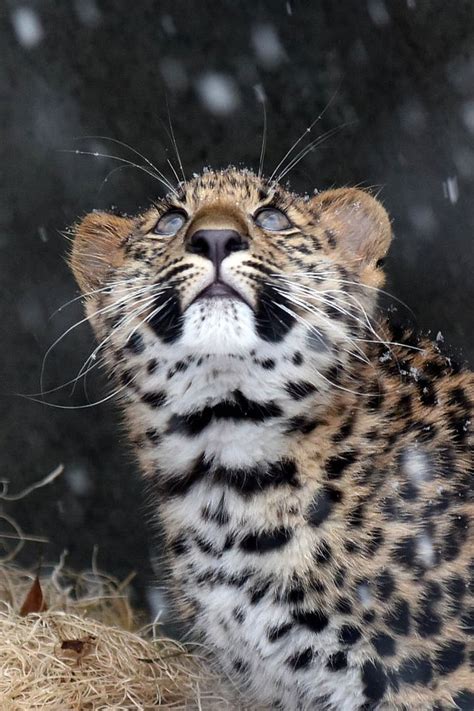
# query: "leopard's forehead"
[240,182]
[240,185]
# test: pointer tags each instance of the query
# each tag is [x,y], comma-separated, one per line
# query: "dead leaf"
[78,648]
[77,645]
[34,601]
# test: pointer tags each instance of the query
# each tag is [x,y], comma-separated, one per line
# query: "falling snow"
[157,604]
[423,218]
[467,115]
[415,465]
[218,93]
[27,26]
[174,74]
[88,12]
[168,25]
[425,550]
[358,53]
[260,93]
[364,594]
[413,116]
[78,479]
[378,12]
[451,189]
[267,46]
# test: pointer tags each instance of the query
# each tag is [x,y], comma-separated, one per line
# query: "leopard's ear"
[356,224]
[98,242]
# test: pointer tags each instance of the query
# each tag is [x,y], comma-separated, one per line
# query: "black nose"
[216,245]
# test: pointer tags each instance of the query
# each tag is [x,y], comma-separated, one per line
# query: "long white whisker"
[350,339]
[146,170]
[112,172]
[74,407]
[105,309]
[335,302]
[309,148]
[264,137]
[156,311]
[173,170]
[322,276]
[306,132]
[307,324]
[103,289]
[125,145]
[144,303]
[175,144]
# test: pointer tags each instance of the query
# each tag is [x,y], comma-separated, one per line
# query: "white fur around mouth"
[221,325]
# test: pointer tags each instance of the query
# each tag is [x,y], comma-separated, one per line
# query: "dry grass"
[87,651]
[72,642]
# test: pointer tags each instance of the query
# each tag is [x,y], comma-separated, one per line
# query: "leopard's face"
[231,266]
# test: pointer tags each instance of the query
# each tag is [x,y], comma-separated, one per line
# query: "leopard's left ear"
[355,223]
[98,247]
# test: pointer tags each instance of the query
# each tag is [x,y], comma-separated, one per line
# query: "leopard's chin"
[219,325]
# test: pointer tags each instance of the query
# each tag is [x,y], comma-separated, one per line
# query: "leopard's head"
[231,266]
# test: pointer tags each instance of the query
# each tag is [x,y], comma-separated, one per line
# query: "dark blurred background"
[399,80]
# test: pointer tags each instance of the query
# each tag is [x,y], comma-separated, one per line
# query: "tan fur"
[97,248]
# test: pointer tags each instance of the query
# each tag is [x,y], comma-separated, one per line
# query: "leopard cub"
[310,465]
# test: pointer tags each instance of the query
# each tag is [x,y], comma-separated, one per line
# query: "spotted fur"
[310,465]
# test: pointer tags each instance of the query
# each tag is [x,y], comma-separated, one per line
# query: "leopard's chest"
[248,610]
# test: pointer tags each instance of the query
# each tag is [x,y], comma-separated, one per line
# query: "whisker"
[95,154]
[349,338]
[309,148]
[333,384]
[103,289]
[262,99]
[310,291]
[173,169]
[130,148]
[73,407]
[85,369]
[103,310]
[306,132]
[156,311]
[173,138]
[335,304]
[112,172]
[144,303]
[321,276]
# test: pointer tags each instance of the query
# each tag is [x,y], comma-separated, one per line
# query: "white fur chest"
[245,601]
[215,439]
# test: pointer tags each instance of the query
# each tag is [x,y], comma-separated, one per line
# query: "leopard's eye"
[269,218]
[170,223]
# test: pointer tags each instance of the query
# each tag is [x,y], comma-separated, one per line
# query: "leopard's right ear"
[98,247]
